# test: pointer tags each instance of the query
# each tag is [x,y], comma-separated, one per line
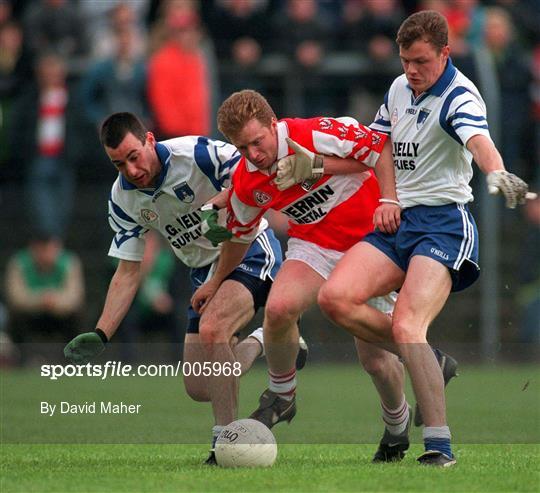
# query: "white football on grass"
[246,443]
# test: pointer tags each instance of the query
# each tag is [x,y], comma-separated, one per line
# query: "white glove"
[514,189]
[298,167]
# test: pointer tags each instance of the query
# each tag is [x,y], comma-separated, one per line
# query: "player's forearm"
[220,200]
[232,254]
[122,290]
[485,154]
[384,170]
[342,166]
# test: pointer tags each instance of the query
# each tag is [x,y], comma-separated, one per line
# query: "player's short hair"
[429,25]
[239,109]
[118,125]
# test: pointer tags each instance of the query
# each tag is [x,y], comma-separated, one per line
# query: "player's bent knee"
[408,333]
[196,389]
[280,313]
[211,334]
[376,365]
[332,302]
[337,301]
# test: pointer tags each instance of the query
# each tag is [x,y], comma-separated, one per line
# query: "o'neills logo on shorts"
[262,198]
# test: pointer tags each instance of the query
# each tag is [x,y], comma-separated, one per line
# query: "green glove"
[210,228]
[85,347]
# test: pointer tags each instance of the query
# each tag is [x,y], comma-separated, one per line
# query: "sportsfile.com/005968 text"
[119,369]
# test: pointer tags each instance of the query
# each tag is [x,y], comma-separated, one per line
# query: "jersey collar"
[283,133]
[164,156]
[283,149]
[443,82]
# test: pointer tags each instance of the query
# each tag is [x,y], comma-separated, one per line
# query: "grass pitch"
[299,468]
[493,413]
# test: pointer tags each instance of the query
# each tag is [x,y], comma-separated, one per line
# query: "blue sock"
[440,445]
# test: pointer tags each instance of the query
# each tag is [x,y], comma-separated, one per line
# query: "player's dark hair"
[429,25]
[239,109]
[117,126]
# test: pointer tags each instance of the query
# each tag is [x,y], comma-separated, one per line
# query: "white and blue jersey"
[429,134]
[194,169]
[433,169]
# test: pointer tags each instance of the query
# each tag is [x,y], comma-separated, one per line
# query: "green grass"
[493,412]
[299,468]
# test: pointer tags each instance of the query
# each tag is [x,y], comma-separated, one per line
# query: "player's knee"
[375,365]
[406,332]
[333,302]
[211,334]
[196,389]
[280,313]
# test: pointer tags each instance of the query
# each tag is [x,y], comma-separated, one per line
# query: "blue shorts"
[445,233]
[256,272]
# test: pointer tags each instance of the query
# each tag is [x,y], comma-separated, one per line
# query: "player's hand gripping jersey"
[335,211]
[194,169]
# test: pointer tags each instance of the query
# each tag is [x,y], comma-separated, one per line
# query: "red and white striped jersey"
[335,211]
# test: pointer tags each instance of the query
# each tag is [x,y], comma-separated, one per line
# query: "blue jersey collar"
[164,156]
[443,82]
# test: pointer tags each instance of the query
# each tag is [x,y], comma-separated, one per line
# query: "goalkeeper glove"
[85,347]
[210,228]
[298,167]
[514,189]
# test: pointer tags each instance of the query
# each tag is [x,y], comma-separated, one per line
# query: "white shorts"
[323,260]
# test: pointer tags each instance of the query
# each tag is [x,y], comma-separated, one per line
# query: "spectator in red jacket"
[178,82]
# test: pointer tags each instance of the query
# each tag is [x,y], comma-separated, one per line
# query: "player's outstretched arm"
[122,290]
[230,257]
[487,157]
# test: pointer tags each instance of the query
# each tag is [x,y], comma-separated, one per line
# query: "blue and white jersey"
[194,169]
[429,134]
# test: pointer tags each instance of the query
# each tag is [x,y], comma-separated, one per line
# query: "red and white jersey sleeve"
[334,212]
[341,137]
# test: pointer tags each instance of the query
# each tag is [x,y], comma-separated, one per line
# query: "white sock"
[258,335]
[396,420]
[442,432]
[283,384]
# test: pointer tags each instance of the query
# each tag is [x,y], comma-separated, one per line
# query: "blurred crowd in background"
[66,64]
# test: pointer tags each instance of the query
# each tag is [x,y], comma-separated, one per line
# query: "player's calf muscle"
[197,388]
